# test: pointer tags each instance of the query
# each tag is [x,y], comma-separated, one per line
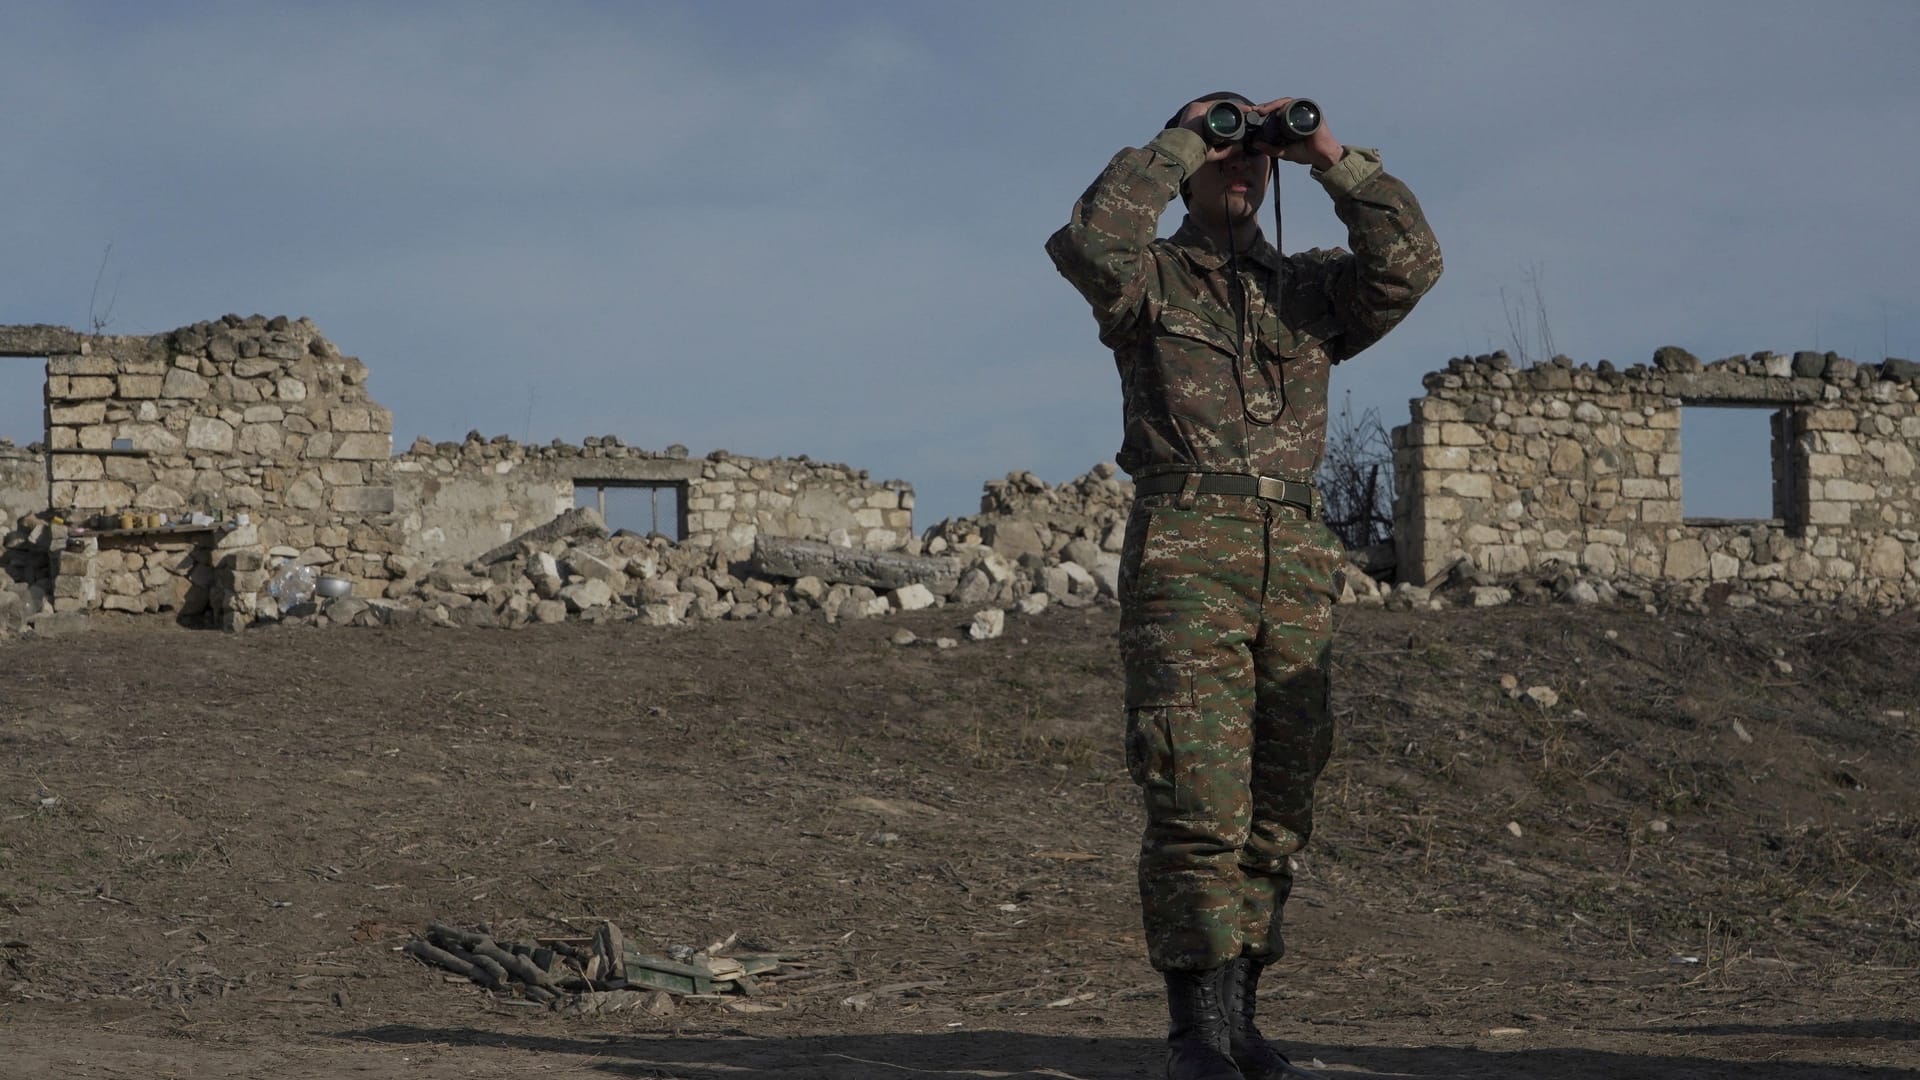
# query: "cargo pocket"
[1153,693]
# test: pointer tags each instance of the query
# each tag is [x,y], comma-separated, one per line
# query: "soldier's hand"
[1320,149]
[1191,121]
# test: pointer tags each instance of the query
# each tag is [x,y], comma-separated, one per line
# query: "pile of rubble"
[1554,582]
[1024,516]
[571,570]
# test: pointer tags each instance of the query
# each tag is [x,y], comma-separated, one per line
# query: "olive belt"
[1289,492]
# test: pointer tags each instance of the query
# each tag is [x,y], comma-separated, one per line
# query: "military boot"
[1197,1035]
[1255,1056]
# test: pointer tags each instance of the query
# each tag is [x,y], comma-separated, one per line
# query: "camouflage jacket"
[1171,310]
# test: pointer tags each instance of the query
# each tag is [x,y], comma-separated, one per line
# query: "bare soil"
[1701,862]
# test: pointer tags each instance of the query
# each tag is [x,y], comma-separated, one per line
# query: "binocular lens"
[1225,119]
[1303,116]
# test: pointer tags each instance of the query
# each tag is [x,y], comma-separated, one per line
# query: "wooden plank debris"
[598,974]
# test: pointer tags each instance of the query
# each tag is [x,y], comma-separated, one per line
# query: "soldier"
[1226,581]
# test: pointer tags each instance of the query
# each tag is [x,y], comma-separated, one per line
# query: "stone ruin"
[1572,472]
[260,443]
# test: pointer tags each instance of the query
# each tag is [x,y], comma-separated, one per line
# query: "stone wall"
[23,483]
[1579,467]
[461,499]
[260,424]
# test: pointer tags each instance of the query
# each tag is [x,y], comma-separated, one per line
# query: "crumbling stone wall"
[1570,466]
[1024,518]
[256,417]
[23,483]
[459,500]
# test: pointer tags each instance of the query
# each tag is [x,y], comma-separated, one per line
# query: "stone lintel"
[628,470]
[1725,388]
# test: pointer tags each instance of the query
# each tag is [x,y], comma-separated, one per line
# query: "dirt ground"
[1702,861]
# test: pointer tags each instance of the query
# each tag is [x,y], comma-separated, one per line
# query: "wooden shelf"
[161,530]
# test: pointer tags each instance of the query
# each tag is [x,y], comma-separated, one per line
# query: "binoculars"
[1227,122]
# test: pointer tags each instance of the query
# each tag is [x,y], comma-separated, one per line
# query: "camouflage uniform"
[1225,599]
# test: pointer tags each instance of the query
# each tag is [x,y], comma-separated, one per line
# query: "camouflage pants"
[1225,632]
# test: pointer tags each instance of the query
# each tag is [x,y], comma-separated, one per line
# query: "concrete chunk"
[882,570]
[580,521]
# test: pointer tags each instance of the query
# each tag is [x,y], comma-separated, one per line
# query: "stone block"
[363,500]
[1842,489]
[210,434]
[344,473]
[1445,457]
[1829,513]
[87,412]
[1641,488]
[1828,420]
[1452,434]
[1468,485]
[81,387]
[136,471]
[1568,458]
[77,467]
[101,495]
[1015,538]
[306,492]
[1886,559]
[351,418]
[914,597]
[184,384]
[260,440]
[1651,440]
[1599,559]
[1686,559]
[364,446]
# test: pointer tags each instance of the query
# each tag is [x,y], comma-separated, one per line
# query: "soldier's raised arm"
[1394,258]
[1106,247]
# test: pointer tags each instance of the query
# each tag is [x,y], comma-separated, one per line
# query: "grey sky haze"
[816,228]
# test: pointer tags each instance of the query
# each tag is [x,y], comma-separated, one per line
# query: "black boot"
[1256,1057]
[1197,1036]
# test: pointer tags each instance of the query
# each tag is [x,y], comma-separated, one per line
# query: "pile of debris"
[571,569]
[1465,585]
[600,973]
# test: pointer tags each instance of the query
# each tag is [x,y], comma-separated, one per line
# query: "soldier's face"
[1230,190]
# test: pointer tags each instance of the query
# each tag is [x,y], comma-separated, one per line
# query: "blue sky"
[785,228]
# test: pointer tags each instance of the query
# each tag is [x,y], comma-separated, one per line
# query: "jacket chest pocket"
[1179,330]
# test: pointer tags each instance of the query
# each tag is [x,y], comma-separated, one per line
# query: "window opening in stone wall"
[1733,464]
[636,506]
[23,399]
